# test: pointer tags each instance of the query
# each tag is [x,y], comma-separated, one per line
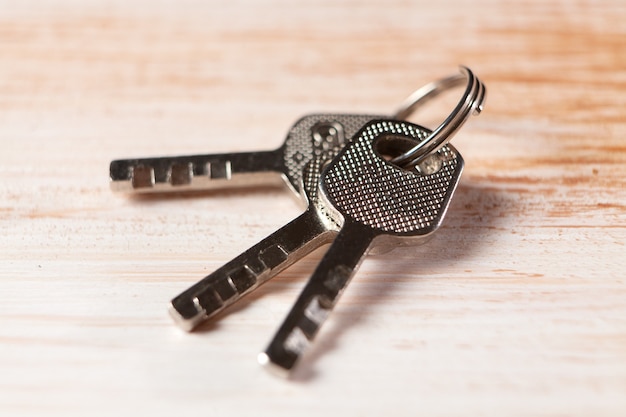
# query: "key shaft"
[318,297]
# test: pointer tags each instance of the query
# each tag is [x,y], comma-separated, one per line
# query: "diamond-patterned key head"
[316,134]
[366,189]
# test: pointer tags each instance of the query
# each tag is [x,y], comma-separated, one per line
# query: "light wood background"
[516,308]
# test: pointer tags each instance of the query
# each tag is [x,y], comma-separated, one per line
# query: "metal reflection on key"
[314,228]
[308,137]
[377,202]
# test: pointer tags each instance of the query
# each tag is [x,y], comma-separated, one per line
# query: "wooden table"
[516,308]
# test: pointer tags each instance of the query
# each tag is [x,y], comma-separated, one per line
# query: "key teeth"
[176,173]
[180,174]
[219,170]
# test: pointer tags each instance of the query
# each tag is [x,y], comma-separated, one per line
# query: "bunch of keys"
[367,180]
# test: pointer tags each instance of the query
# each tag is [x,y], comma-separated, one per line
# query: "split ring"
[471,103]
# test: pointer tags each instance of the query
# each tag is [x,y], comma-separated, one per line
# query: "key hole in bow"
[390,146]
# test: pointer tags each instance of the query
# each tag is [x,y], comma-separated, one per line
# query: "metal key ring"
[471,103]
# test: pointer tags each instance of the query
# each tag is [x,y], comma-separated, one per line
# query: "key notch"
[180,173]
[142,176]
[219,170]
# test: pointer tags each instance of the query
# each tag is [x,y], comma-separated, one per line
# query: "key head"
[314,135]
[365,189]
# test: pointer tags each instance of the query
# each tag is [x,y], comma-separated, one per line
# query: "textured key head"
[315,134]
[366,189]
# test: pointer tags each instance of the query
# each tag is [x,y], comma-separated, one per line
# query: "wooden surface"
[516,308]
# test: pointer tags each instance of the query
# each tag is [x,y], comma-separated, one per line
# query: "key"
[376,202]
[261,262]
[314,228]
[309,137]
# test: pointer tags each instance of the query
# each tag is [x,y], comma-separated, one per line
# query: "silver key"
[376,202]
[309,136]
[314,228]
[262,261]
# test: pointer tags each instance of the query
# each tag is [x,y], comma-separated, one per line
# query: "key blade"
[249,270]
[318,297]
[195,172]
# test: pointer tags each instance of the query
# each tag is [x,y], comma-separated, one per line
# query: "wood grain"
[516,308]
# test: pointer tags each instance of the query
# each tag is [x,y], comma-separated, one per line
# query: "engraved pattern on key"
[313,135]
[314,228]
[309,137]
[379,202]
